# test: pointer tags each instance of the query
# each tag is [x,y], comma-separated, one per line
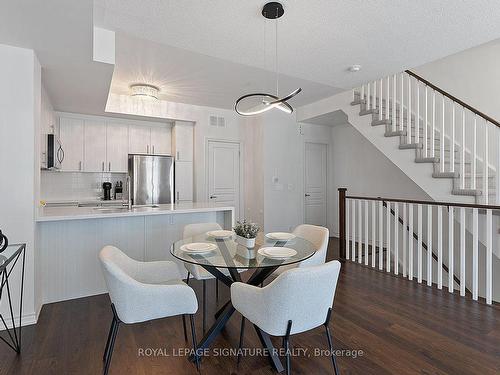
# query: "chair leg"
[112,342]
[111,329]
[195,343]
[330,344]
[242,334]
[216,289]
[204,305]
[187,279]
[184,326]
[286,344]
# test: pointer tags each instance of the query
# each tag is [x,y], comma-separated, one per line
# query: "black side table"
[8,260]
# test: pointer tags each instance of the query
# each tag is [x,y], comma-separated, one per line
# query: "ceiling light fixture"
[144,90]
[257,103]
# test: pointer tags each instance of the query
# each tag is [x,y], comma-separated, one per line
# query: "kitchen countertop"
[60,213]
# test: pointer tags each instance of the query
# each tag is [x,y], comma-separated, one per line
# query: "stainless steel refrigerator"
[151,179]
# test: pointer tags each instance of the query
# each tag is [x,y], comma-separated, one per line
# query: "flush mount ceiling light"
[257,103]
[144,90]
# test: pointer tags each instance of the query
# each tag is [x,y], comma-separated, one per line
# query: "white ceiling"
[319,39]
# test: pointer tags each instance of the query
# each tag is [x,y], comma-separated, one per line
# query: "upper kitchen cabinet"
[161,143]
[139,139]
[71,135]
[94,144]
[116,148]
[182,140]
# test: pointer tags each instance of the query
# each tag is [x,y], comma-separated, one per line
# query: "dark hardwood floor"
[400,327]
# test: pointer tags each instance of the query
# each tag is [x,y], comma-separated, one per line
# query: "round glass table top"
[227,253]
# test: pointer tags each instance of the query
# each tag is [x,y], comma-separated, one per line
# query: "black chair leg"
[242,334]
[111,329]
[195,343]
[187,279]
[330,344]
[216,289]
[112,342]
[184,326]
[204,305]
[286,345]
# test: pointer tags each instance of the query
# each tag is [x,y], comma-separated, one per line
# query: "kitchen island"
[69,239]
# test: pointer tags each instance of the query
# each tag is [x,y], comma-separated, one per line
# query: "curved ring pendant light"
[257,103]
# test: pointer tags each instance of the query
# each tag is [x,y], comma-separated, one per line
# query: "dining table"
[225,260]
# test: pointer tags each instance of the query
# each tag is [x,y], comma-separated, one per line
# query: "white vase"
[247,242]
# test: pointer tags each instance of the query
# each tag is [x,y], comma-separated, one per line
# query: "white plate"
[280,236]
[198,247]
[220,234]
[277,252]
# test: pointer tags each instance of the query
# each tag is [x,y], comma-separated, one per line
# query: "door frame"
[241,202]
[303,201]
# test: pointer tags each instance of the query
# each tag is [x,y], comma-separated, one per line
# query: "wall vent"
[218,121]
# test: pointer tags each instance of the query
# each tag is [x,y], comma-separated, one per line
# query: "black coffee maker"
[106,188]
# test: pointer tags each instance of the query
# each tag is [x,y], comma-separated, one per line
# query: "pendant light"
[257,103]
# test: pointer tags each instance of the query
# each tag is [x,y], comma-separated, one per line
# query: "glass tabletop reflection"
[227,253]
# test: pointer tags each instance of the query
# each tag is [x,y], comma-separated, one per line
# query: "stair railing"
[462,142]
[373,223]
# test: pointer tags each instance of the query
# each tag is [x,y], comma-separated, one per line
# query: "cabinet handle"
[307,195]
[213,196]
[103,166]
[153,149]
[177,155]
[109,167]
[80,166]
[147,149]
[177,196]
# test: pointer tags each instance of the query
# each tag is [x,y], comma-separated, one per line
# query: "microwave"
[54,153]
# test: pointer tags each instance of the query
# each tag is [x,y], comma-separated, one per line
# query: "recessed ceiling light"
[355,68]
[144,90]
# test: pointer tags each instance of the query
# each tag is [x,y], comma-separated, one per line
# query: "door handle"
[213,196]
[307,195]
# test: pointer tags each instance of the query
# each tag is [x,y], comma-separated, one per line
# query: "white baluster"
[408,111]
[401,117]
[374,97]
[347,229]
[394,96]
[380,101]
[440,247]
[353,94]
[396,239]
[387,96]
[433,123]
[368,100]
[462,153]
[426,122]
[388,239]
[452,140]
[475,253]
[417,113]
[462,251]
[380,235]
[474,153]
[489,256]
[405,232]
[441,137]
[419,243]
[353,224]
[410,242]
[429,244]
[366,233]
[486,163]
[451,247]
[360,230]
[374,227]
[362,97]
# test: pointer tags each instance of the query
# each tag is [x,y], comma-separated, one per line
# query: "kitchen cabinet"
[116,148]
[183,181]
[94,143]
[182,140]
[160,140]
[139,139]
[71,135]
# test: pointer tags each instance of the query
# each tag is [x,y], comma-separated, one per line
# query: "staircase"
[455,141]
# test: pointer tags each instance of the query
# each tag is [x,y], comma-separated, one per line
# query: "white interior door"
[224,174]
[315,171]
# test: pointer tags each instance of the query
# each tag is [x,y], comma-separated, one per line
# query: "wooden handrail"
[433,203]
[455,99]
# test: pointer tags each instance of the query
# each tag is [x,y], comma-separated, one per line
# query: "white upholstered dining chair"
[143,291]
[298,300]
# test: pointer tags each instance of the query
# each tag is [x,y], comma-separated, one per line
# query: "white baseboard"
[26,320]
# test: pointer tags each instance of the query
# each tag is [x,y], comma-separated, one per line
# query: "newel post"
[342,234]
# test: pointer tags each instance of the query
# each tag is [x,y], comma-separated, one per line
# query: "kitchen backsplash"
[63,186]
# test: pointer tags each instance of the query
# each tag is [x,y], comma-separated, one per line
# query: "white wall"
[20,74]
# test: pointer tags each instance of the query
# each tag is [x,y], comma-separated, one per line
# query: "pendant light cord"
[276,58]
